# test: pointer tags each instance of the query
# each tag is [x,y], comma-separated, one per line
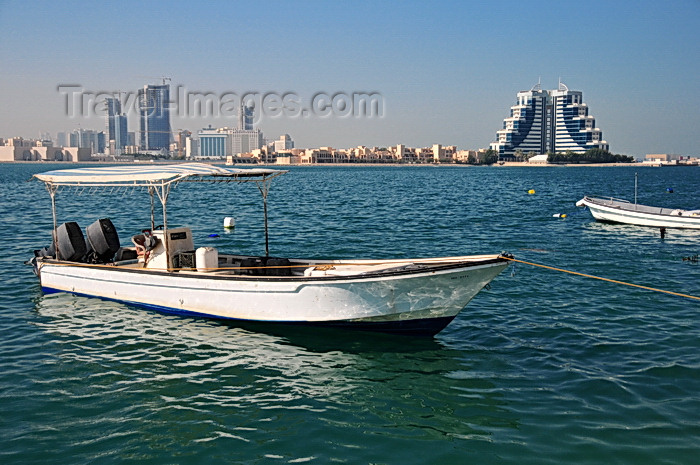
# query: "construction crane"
[163,78]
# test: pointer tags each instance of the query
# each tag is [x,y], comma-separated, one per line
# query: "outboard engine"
[103,240]
[71,242]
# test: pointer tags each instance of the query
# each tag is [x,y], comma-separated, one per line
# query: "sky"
[438,72]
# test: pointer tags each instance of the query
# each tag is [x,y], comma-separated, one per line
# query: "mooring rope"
[600,278]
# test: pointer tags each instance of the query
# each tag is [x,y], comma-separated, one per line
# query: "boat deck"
[256,266]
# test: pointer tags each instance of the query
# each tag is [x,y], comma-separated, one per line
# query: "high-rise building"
[246,140]
[154,117]
[120,131]
[245,118]
[113,107]
[283,143]
[87,138]
[116,125]
[182,136]
[548,121]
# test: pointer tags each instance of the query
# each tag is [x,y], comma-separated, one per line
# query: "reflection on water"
[167,363]
[613,230]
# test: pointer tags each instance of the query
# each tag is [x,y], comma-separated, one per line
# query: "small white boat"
[614,210]
[162,270]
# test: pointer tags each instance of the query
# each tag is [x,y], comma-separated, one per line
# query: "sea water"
[542,368]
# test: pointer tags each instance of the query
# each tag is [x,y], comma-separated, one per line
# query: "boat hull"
[614,211]
[412,301]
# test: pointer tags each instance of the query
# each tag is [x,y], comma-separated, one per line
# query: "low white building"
[41,153]
[225,142]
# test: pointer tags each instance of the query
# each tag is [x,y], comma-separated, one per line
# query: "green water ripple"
[542,368]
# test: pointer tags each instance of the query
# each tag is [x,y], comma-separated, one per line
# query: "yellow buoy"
[531,191]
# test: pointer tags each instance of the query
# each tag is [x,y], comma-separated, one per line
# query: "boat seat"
[125,254]
[278,267]
[251,266]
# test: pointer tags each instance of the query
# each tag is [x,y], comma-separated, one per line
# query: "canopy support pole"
[163,196]
[52,192]
[153,217]
[164,200]
[267,231]
[264,187]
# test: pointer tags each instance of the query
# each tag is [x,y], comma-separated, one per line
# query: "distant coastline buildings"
[273,153]
[544,126]
[548,121]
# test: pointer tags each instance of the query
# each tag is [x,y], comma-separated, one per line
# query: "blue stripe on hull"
[416,327]
[48,290]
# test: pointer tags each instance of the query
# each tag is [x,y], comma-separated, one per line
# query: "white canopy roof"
[140,175]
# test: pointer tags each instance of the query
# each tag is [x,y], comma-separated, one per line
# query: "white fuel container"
[206,259]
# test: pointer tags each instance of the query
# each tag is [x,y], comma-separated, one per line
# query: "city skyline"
[446,72]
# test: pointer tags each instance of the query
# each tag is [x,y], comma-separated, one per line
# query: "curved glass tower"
[548,121]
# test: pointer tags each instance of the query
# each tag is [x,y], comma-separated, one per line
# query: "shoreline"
[508,164]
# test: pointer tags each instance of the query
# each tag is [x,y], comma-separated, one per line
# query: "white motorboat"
[614,210]
[163,270]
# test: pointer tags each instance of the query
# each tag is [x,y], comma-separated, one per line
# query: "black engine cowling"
[71,242]
[103,239]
